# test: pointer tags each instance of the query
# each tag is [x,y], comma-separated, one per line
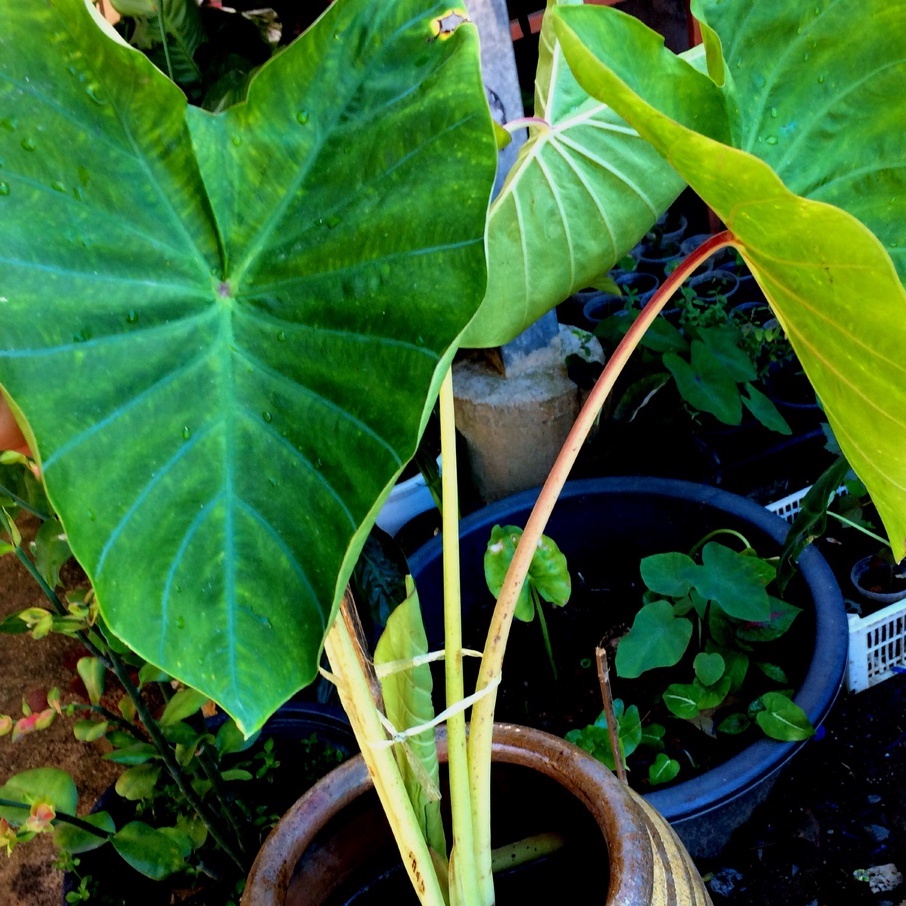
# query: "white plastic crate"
[877,643]
[877,646]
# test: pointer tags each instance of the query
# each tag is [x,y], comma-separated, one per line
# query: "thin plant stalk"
[61,817]
[463,873]
[173,768]
[482,723]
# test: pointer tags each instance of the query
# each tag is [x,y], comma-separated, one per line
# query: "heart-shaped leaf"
[663,769]
[683,699]
[796,146]
[735,582]
[704,384]
[226,331]
[584,188]
[671,574]
[548,573]
[709,667]
[657,639]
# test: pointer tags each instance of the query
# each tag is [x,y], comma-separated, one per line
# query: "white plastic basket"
[877,643]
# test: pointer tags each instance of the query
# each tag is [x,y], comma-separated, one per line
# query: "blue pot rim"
[824,677]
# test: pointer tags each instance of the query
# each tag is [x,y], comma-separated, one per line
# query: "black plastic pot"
[607,525]
[293,722]
[879,582]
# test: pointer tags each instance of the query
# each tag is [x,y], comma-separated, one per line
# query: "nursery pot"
[878,581]
[334,845]
[604,527]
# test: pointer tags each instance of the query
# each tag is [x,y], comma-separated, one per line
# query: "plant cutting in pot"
[259,291]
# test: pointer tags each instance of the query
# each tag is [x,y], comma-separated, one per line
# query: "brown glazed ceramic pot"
[333,848]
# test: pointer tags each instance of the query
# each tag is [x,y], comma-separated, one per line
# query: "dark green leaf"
[735,582]
[657,638]
[709,668]
[722,343]
[671,574]
[779,622]
[773,671]
[811,520]
[704,384]
[135,753]
[763,408]
[51,551]
[205,283]
[734,724]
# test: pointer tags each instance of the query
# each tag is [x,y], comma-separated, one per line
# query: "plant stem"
[467,877]
[354,683]
[22,504]
[492,660]
[613,727]
[163,39]
[163,747]
[858,527]
[721,531]
[542,622]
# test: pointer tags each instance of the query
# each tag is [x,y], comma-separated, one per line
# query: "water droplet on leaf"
[132,317]
[773,111]
[28,144]
[186,432]
[302,117]
[93,90]
[282,336]
[267,417]
[4,188]
[771,139]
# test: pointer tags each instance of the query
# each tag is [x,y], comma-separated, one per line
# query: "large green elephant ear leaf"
[584,189]
[226,332]
[812,186]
